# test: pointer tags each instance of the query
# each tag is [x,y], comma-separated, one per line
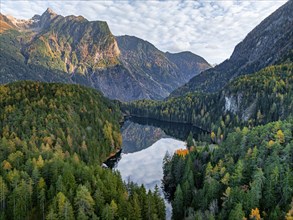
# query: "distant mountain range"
[271,42]
[53,48]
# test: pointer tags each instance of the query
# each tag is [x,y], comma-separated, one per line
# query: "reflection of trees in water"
[136,137]
[177,130]
[141,133]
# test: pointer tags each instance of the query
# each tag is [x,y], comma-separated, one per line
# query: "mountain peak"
[46,18]
[50,11]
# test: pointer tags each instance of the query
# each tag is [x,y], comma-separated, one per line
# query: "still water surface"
[145,143]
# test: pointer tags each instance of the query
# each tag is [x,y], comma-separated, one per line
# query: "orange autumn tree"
[182,152]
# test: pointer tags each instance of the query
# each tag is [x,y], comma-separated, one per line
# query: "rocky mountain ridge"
[146,62]
[265,45]
[72,49]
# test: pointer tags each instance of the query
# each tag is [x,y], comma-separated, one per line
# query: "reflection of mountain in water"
[137,137]
[141,133]
[177,130]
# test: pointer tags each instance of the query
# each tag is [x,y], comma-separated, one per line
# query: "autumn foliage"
[182,152]
[255,214]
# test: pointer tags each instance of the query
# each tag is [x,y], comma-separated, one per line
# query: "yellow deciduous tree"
[6,165]
[281,136]
[270,144]
[213,136]
[255,214]
[289,215]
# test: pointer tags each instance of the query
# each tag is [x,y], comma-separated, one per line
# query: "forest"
[248,100]
[53,139]
[248,176]
[244,168]
[236,117]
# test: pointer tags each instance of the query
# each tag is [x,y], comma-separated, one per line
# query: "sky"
[210,29]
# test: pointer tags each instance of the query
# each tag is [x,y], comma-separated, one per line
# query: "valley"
[99,126]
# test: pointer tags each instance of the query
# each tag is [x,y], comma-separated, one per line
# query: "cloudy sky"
[208,28]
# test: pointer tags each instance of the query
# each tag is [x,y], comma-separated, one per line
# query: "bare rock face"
[50,47]
[71,44]
[265,45]
[5,24]
[158,72]
[189,63]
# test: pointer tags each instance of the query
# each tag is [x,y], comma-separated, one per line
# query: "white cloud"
[208,28]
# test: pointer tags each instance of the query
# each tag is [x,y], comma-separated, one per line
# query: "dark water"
[177,130]
[140,133]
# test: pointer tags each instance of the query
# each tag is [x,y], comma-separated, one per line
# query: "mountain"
[265,45]
[70,44]
[188,63]
[248,100]
[53,140]
[156,70]
[71,49]
[53,48]
[6,24]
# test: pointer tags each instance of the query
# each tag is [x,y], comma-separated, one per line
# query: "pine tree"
[136,213]
[61,208]
[237,213]
[159,204]
[190,141]
[178,204]
[3,195]
[84,203]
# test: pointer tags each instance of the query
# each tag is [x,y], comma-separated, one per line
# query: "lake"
[145,142]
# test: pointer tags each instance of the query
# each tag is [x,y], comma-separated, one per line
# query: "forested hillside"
[249,175]
[247,101]
[12,63]
[53,138]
